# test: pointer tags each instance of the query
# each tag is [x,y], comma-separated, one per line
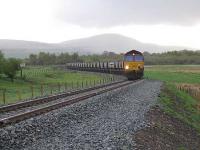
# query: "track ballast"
[28,109]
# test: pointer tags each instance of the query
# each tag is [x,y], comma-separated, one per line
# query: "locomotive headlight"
[126,67]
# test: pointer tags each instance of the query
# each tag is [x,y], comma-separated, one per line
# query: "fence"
[192,89]
[40,90]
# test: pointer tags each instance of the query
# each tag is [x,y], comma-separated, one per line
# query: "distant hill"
[21,49]
[95,44]
[116,43]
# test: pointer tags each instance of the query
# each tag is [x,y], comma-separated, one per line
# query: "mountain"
[21,49]
[95,44]
[116,43]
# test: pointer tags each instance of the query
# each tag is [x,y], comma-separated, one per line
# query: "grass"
[180,105]
[175,102]
[50,75]
[45,78]
[176,73]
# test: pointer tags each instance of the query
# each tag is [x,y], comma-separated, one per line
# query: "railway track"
[20,111]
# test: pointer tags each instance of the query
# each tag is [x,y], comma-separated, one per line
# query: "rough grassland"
[177,73]
[175,102]
[48,77]
[175,122]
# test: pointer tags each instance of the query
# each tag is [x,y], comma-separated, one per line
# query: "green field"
[175,102]
[39,81]
[174,73]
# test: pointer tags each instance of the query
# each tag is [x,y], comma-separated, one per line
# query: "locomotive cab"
[133,65]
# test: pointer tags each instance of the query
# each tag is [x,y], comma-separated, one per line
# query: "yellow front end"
[134,69]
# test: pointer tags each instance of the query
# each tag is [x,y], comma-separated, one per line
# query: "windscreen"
[133,58]
[138,58]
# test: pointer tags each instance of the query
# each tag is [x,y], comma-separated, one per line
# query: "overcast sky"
[163,22]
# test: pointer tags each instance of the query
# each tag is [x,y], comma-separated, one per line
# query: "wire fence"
[191,89]
[40,90]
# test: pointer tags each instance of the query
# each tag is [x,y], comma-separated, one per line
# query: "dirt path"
[166,133]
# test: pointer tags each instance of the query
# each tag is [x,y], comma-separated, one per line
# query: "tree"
[11,66]
[33,59]
[1,62]
[75,57]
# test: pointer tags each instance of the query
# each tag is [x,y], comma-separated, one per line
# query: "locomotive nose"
[140,67]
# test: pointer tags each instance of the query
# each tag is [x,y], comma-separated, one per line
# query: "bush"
[10,68]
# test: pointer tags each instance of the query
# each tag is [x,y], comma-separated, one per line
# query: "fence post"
[51,88]
[65,86]
[82,85]
[32,94]
[59,87]
[72,85]
[86,84]
[41,89]
[19,94]
[77,85]
[4,96]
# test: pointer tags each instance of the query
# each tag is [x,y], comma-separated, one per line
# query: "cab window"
[128,58]
[138,58]
[133,58]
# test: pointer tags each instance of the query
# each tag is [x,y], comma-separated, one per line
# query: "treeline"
[52,59]
[63,58]
[9,67]
[172,57]
[166,58]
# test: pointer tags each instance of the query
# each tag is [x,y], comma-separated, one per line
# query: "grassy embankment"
[47,78]
[183,104]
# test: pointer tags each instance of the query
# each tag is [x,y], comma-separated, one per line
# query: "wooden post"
[65,86]
[59,87]
[72,85]
[86,83]
[82,85]
[77,85]
[41,89]
[4,96]
[32,94]
[51,88]
[19,94]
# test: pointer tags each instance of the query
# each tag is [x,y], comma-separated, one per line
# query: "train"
[132,66]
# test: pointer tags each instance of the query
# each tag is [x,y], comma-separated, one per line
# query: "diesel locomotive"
[132,66]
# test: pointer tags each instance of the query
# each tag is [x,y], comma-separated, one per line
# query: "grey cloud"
[107,13]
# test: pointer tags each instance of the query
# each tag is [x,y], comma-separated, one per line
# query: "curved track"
[25,110]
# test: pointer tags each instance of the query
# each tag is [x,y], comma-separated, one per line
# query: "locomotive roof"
[133,52]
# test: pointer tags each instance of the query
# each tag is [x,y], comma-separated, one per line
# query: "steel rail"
[45,109]
[50,98]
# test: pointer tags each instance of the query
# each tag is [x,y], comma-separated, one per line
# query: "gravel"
[106,121]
